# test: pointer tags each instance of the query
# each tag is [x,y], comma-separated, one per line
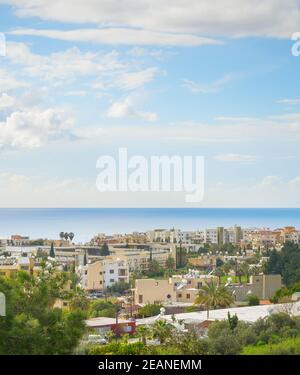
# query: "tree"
[71,236]
[227,267]
[149,310]
[104,251]
[102,308]
[118,287]
[162,330]
[143,332]
[245,270]
[32,325]
[154,267]
[219,273]
[85,259]
[286,263]
[62,235]
[253,300]
[219,262]
[52,252]
[232,321]
[213,295]
[181,258]
[66,236]
[170,263]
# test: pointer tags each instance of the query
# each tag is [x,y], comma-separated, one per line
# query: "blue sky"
[82,79]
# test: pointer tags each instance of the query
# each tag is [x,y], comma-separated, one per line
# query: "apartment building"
[178,288]
[264,238]
[290,234]
[104,273]
[138,256]
[8,266]
[211,236]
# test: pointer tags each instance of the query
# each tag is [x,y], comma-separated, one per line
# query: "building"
[178,288]
[104,273]
[138,256]
[262,286]
[8,266]
[103,325]
[249,314]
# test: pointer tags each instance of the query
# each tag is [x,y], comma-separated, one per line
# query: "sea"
[86,222]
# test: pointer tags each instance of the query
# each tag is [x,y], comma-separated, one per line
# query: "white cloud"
[9,82]
[126,80]
[134,80]
[121,36]
[34,128]
[19,190]
[106,70]
[126,108]
[233,18]
[80,93]
[270,180]
[295,182]
[66,65]
[236,158]
[198,88]
[289,101]
[6,101]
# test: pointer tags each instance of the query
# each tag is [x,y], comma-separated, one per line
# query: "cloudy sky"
[172,77]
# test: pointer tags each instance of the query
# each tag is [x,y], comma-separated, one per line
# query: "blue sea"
[47,223]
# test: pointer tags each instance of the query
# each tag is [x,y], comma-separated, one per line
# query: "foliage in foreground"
[289,346]
[276,334]
[32,325]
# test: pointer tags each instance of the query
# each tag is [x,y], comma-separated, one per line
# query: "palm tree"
[143,333]
[162,330]
[71,236]
[213,295]
[227,267]
[245,270]
[61,235]
[66,236]
[219,273]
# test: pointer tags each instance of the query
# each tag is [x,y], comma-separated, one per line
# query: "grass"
[289,346]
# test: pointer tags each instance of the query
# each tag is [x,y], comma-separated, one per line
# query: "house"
[178,288]
[103,325]
[262,286]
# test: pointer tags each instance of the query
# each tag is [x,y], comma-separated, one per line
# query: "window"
[111,280]
[179,295]
[140,298]
[188,296]
[111,271]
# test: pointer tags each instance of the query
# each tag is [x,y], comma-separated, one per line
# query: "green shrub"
[290,346]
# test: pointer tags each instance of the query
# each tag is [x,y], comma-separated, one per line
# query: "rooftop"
[247,314]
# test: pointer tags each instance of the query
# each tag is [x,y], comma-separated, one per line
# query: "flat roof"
[247,314]
[103,321]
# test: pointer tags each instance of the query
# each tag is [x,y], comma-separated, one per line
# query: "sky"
[81,79]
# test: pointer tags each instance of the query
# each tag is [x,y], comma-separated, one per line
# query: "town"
[142,291]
